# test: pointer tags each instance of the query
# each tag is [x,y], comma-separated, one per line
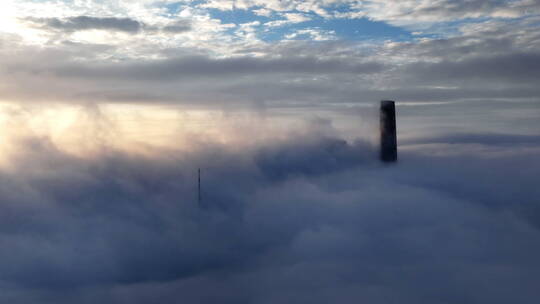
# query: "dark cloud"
[126,25]
[201,66]
[508,68]
[484,139]
[482,7]
[451,10]
[180,26]
[81,23]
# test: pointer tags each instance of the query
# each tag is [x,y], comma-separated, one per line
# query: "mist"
[304,216]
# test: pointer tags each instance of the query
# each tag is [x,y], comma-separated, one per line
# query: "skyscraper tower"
[388,131]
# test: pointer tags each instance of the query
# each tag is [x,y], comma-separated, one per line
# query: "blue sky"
[348,29]
[353,29]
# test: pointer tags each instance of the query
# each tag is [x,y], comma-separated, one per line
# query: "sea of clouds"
[305,219]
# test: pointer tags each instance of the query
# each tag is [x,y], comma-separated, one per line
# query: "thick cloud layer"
[202,67]
[304,220]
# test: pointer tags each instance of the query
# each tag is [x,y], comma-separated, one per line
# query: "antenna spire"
[199,188]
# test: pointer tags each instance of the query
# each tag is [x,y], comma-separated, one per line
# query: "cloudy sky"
[268,52]
[108,108]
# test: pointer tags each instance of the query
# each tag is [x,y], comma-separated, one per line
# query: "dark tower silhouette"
[388,131]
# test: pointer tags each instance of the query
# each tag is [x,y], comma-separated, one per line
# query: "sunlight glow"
[11,23]
[8,21]
[86,130]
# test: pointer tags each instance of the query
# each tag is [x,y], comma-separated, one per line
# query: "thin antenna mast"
[199,188]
